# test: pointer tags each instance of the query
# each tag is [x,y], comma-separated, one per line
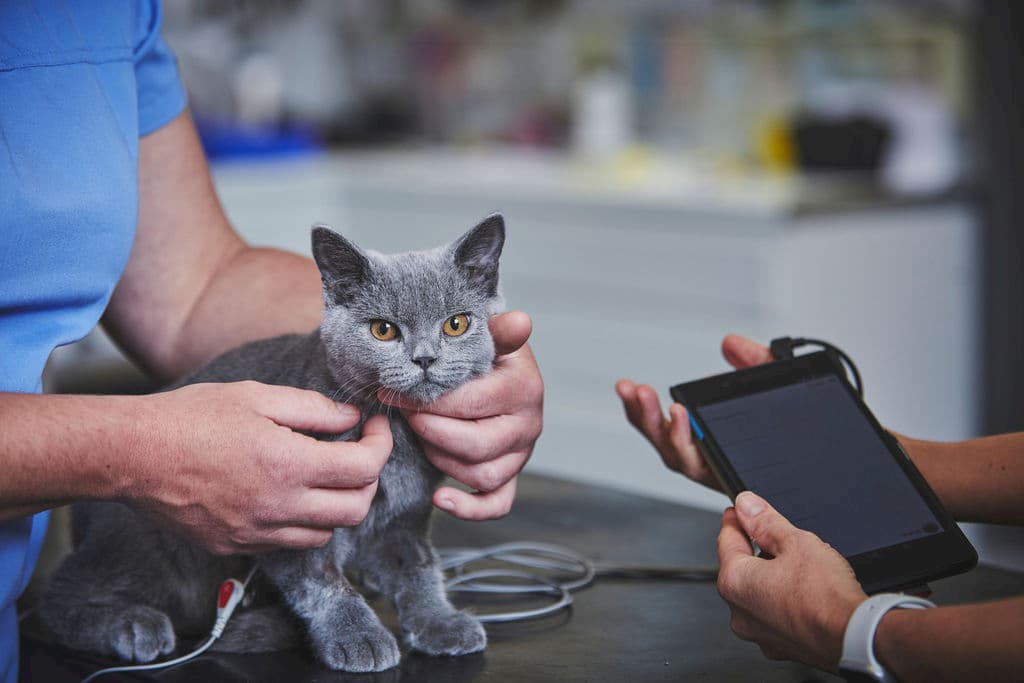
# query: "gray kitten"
[414,324]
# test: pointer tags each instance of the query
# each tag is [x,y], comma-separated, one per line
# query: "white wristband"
[858,662]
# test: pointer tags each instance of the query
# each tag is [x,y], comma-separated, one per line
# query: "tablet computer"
[796,433]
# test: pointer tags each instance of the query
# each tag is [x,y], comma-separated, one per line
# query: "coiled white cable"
[573,572]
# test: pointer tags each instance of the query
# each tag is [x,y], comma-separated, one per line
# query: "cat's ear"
[477,252]
[343,266]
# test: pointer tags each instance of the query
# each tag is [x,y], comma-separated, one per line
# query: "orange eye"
[383,330]
[456,325]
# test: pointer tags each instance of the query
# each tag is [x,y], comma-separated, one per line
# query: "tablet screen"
[791,444]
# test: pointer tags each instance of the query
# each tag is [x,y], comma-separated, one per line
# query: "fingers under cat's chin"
[419,396]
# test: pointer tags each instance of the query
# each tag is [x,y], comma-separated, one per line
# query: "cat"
[414,324]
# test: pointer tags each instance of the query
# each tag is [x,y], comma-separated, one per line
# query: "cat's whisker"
[392,396]
[356,390]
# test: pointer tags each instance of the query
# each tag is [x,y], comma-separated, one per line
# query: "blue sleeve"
[161,96]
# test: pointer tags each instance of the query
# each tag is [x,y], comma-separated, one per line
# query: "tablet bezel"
[895,567]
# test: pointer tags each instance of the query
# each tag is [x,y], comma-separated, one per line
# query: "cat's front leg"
[345,632]
[404,568]
[136,633]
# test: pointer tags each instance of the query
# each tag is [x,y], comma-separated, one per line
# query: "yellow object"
[773,142]
[634,165]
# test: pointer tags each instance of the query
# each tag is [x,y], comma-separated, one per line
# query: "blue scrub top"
[80,82]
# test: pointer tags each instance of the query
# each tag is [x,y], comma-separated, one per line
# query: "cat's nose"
[424,361]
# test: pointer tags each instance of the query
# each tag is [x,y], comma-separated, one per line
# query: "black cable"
[782,349]
[657,573]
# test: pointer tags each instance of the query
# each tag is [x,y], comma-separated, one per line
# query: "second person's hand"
[670,435]
[794,605]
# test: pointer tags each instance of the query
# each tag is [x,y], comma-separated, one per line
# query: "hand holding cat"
[795,605]
[482,433]
[228,471]
[671,436]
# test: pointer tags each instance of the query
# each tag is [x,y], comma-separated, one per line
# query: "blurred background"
[669,172]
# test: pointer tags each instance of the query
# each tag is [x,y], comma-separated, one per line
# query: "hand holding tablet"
[796,433]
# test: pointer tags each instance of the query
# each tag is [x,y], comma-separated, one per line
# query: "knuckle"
[503,506]
[220,549]
[365,470]
[739,626]
[726,583]
[357,515]
[237,539]
[374,461]
[487,477]
[248,386]
[319,539]
[674,462]
[536,429]
[796,537]
[359,506]
[533,387]
[368,475]
[380,454]
[758,531]
[261,515]
[494,507]
[809,537]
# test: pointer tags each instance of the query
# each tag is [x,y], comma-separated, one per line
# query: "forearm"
[58,449]
[980,480]
[980,642]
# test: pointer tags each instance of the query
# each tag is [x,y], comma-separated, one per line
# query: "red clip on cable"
[231,593]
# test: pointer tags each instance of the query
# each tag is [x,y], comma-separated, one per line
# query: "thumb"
[741,352]
[510,331]
[766,527]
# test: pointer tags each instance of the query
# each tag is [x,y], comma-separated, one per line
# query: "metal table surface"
[616,630]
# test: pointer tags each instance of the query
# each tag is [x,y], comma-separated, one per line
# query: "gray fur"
[128,581]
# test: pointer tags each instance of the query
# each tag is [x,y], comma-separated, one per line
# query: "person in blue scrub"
[108,213]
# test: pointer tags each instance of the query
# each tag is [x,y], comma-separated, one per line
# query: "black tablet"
[797,434]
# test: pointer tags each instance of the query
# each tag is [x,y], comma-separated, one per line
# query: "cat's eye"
[383,330]
[456,325]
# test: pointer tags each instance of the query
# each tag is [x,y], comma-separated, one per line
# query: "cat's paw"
[141,634]
[457,633]
[370,648]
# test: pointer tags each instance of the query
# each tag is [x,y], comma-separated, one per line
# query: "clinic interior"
[670,171]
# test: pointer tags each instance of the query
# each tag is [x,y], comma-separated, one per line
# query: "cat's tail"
[262,629]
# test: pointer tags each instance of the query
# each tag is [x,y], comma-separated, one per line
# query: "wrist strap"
[858,662]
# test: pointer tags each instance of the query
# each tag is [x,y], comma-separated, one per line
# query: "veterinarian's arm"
[483,433]
[218,462]
[193,288]
[796,606]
